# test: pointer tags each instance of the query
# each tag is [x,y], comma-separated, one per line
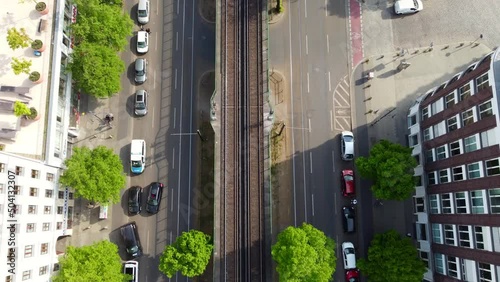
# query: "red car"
[348,183]
[352,275]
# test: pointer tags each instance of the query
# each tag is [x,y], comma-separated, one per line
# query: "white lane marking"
[175,79]
[327,43]
[157,7]
[176,41]
[335,203]
[309,120]
[333,160]
[326,8]
[147,241]
[329,82]
[173,158]
[154,80]
[191,120]
[291,116]
[175,115]
[307,46]
[331,120]
[170,241]
[307,82]
[153,119]
[305,8]
[312,203]
[340,85]
[172,201]
[311,162]
[342,98]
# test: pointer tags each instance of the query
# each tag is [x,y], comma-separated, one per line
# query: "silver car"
[141,70]
[141,103]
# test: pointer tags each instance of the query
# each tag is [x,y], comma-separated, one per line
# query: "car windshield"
[136,163]
[139,72]
[152,202]
[141,44]
[415,2]
[349,250]
[133,250]
[349,156]
[347,138]
[140,106]
[348,177]
[142,13]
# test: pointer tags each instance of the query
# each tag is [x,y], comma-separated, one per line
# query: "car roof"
[141,35]
[139,63]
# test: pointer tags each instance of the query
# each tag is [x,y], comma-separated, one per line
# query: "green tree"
[20,66]
[391,168]
[102,24]
[189,254]
[21,109]
[17,38]
[96,175]
[304,253]
[96,70]
[392,257]
[97,262]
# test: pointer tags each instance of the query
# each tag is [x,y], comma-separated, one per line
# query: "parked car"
[154,197]
[143,12]
[134,200]
[408,6]
[131,239]
[141,70]
[141,103]
[348,255]
[348,219]
[142,42]
[131,268]
[348,188]
[347,145]
[352,275]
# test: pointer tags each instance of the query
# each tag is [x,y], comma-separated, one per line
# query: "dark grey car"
[141,70]
[134,200]
[348,219]
[131,238]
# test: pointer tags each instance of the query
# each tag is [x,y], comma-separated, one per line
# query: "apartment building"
[454,131]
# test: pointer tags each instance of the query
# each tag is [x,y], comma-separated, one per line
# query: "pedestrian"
[142,28]
[148,30]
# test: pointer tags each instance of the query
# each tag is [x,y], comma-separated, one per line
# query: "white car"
[408,6]
[143,12]
[131,267]
[347,145]
[142,42]
[349,255]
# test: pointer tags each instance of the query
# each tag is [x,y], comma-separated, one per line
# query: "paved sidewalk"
[381,108]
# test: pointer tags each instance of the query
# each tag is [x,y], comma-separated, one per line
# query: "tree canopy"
[304,253]
[96,70]
[392,257]
[97,262]
[391,167]
[96,175]
[102,24]
[189,254]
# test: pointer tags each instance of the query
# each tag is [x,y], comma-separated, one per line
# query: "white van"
[137,156]
[143,12]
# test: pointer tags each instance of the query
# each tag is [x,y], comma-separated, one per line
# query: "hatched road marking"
[342,106]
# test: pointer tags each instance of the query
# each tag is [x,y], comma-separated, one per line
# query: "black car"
[131,239]
[154,197]
[134,200]
[348,216]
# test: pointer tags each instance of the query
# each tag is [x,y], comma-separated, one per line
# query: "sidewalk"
[382,104]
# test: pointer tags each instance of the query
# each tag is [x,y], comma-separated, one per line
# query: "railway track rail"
[242,185]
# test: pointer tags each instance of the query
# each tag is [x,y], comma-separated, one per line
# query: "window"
[47,210]
[17,190]
[60,195]
[19,170]
[35,174]
[485,110]
[412,120]
[441,152]
[59,225]
[458,173]
[461,202]
[419,204]
[470,143]
[34,192]
[478,234]
[45,249]
[449,100]
[443,176]
[427,134]
[419,180]
[26,275]
[70,195]
[464,91]
[17,209]
[9,278]
[494,200]
[30,227]
[473,170]
[434,203]
[455,148]
[467,117]
[477,200]
[488,138]
[46,226]
[429,156]
[485,272]
[31,209]
[60,210]
[439,129]
[28,251]
[425,113]
[464,235]
[436,233]
[50,177]
[482,82]
[1,188]
[417,159]
[43,270]
[437,106]
[49,193]
[439,263]
[431,178]
[413,140]
[452,124]
[449,234]
[446,203]
[452,266]
[425,258]
[492,167]
[2,167]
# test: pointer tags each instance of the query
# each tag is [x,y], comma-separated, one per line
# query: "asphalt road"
[181,48]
